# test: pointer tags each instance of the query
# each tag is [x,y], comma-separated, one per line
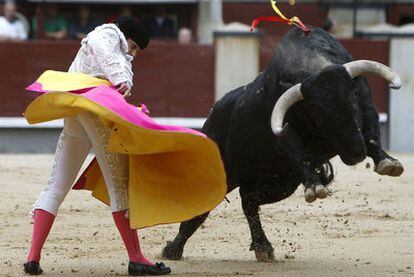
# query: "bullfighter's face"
[133,47]
[332,94]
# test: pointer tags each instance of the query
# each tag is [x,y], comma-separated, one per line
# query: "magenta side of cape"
[111,99]
[36,87]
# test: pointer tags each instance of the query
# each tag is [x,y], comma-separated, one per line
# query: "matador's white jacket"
[103,54]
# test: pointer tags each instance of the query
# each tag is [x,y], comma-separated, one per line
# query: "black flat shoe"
[137,269]
[32,268]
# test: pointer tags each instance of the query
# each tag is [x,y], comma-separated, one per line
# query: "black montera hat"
[132,28]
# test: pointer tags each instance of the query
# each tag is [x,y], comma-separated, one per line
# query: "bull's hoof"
[264,256]
[389,167]
[321,191]
[310,194]
[169,252]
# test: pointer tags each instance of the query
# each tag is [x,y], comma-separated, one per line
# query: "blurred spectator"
[160,25]
[184,36]
[11,27]
[125,11]
[54,24]
[82,24]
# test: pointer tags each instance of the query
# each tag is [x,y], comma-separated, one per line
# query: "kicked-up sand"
[366,228]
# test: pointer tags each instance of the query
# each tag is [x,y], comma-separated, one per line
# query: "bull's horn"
[360,67]
[290,97]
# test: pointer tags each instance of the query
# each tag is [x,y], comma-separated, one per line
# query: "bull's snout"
[354,156]
[354,160]
[352,149]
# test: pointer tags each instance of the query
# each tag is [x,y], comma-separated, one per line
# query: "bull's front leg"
[295,151]
[384,163]
[314,187]
[261,246]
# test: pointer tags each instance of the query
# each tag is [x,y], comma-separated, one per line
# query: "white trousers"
[81,133]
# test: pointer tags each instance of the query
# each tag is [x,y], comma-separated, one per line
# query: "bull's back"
[217,124]
[299,55]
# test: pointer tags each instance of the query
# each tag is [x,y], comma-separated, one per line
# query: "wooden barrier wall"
[376,50]
[172,79]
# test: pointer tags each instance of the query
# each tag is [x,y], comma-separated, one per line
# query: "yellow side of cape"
[63,81]
[173,176]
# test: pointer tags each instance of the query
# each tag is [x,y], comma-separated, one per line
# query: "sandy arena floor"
[366,228]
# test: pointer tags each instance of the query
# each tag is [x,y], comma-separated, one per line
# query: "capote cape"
[175,173]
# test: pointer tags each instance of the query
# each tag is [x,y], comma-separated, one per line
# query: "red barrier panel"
[376,50]
[172,79]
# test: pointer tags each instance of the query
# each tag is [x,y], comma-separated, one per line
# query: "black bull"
[336,117]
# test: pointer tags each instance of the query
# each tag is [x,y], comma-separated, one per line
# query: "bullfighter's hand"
[124,89]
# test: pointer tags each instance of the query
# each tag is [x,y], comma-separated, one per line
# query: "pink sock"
[130,238]
[137,247]
[43,222]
